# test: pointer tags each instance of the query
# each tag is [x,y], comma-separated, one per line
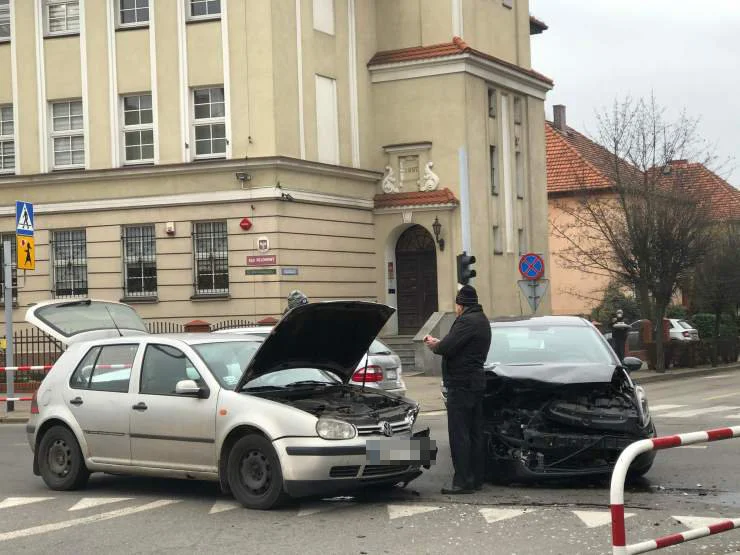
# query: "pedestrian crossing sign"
[26,250]
[23,218]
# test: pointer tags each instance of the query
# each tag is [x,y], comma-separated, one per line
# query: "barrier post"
[8,301]
[616,492]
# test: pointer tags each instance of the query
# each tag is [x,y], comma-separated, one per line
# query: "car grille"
[376,429]
[344,471]
[382,469]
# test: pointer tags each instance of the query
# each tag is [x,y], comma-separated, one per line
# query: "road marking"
[733,416]
[658,408]
[716,376]
[723,396]
[223,506]
[698,412]
[692,446]
[400,511]
[18,501]
[594,519]
[495,515]
[697,521]
[434,413]
[45,528]
[313,508]
[89,502]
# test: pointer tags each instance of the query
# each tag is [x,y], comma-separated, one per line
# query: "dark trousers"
[465,428]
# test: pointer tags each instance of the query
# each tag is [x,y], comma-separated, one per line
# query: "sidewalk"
[426,389]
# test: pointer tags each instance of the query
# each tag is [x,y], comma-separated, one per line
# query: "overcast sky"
[686,51]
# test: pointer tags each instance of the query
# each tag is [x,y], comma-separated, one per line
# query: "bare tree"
[716,283]
[647,228]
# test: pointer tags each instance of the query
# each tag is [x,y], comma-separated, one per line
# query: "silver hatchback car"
[267,418]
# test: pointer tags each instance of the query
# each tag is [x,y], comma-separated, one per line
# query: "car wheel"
[61,463]
[254,473]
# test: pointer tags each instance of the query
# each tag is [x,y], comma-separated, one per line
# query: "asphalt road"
[135,515]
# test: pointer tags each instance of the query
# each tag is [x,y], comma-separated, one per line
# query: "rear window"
[378,348]
[684,324]
[81,316]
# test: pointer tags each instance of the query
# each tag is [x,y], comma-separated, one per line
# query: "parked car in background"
[266,418]
[681,330]
[558,402]
[382,370]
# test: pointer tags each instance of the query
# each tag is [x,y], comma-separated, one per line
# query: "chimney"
[558,112]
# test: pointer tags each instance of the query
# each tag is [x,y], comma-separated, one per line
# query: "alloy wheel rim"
[256,472]
[60,458]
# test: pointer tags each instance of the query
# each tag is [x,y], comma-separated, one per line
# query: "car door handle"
[77,401]
[140,406]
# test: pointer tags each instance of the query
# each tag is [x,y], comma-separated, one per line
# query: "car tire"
[61,464]
[254,474]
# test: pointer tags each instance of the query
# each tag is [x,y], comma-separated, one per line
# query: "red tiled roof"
[575,163]
[415,198]
[722,198]
[454,48]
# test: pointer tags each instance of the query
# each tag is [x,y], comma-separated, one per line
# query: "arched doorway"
[416,274]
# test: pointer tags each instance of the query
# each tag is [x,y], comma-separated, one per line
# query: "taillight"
[34,403]
[686,334]
[373,374]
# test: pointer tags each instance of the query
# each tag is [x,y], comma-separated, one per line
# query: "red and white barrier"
[619,535]
[25,368]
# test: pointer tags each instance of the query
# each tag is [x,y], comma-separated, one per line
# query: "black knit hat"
[467,296]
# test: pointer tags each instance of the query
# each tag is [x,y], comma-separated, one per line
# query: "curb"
[668,376]
[13,419]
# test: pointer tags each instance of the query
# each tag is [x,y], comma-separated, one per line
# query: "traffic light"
[464,271]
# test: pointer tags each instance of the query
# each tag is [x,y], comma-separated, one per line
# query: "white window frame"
[324,16]
[189,10]
[137,127]
[323,154]
[5,19]
[119,14]
[195,122]
[494,170]
[77,132]
[7,138]
[146,234]
[67,30]
[56,262]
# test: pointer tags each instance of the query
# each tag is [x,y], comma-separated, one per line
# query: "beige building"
[203,158]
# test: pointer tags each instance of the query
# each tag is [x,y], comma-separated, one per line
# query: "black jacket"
[464,350]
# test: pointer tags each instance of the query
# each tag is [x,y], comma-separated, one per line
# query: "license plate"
[391,375]
[401,450]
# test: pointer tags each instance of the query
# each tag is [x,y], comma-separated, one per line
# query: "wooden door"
[416,263]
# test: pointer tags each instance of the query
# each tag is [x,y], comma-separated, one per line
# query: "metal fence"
[234,323]
[164,326]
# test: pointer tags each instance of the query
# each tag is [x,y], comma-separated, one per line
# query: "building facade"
[202,158]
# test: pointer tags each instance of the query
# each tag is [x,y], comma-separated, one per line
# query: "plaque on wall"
[409,169]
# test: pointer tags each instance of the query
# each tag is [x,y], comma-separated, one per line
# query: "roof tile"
[415,198]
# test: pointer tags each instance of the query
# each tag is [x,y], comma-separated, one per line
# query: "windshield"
[378,348]
[685,325]
[227,360]
[286,378]
[546,344]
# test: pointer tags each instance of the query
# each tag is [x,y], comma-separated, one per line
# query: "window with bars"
[517,110]
[211,258]
[13,263]
[491,103]
[138,129]
[209,122]
[520,187]
[62,16]
[4,20]
[133,12]
[139,261]
[7,140]
[67,134]
[69,262]
[204,8]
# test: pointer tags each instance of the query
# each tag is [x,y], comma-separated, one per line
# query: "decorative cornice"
[191,168]
[408,147]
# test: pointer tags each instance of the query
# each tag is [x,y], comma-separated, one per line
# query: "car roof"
[525,321]
[187,338]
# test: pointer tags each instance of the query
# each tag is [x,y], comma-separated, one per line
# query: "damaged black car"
[559,403]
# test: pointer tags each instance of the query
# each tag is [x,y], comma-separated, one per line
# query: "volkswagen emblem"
[385,428]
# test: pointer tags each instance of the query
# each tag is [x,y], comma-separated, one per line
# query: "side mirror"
[632,364]
[190,389]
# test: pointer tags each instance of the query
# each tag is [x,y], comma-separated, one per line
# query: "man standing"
[296,298]
[464,351]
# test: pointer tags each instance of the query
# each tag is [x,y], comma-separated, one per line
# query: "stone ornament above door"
[409,169]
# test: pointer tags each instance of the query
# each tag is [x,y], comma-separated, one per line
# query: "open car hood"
[329,336]
[556,373]
[70,321]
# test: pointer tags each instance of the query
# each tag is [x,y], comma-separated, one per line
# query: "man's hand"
[431,342]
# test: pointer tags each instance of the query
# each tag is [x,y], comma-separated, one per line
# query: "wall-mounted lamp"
[437,228]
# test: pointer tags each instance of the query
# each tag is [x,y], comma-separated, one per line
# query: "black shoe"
[456,490]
